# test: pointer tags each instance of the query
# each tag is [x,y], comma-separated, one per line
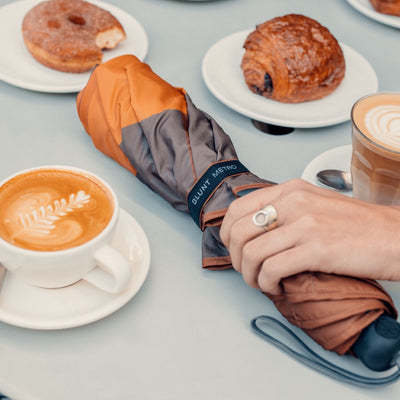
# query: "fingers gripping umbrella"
[155,131]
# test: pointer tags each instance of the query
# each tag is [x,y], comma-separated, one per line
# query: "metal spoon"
[335,179]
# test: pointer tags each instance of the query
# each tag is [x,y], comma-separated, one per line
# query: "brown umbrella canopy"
[155,131]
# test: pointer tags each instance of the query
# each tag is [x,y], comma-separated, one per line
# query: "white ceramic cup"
[93,260]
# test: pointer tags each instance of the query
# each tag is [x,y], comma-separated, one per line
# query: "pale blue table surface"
[186,334]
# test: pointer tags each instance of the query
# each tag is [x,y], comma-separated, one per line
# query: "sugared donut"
[292,59]
[68,35]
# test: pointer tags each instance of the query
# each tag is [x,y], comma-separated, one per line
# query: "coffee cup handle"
[112,272]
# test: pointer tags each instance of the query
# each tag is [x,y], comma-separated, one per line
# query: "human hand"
[318,230]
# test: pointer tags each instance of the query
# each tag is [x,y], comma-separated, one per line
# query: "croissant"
[391,7]
[292,59]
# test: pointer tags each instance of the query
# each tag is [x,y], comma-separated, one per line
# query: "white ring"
[266,217]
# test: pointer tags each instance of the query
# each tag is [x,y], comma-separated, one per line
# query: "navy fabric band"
[208,182]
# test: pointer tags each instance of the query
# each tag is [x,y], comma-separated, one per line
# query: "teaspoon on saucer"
[335,179]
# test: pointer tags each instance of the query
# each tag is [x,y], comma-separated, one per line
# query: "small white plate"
[32,307]
[223,76]
[19,68]
[365,7]
[336,158]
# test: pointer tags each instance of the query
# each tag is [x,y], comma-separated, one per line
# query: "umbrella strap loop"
[315,361]
[209,182]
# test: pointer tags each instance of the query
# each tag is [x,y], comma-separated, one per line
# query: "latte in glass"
[53,209]
[375,163]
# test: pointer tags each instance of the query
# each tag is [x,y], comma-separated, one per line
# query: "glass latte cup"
[375,162]
[56,223]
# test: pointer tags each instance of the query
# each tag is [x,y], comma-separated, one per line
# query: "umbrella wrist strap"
[310,358]
[209,182]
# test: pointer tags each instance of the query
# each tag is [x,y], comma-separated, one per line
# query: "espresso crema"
[53,209]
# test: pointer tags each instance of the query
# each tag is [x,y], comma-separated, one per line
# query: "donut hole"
[77,19]
[53,24]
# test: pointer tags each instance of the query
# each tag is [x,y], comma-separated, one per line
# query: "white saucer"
[223,76]
[365,7]
[336,158]
[19,68]
[28,306]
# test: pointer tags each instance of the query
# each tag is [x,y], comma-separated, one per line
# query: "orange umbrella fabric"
[155,131]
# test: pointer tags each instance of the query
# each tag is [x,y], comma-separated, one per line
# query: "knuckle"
[249,279]
[235,208]
[294,184]
[310,222]
[250,253]
[266,280]
[236,239]
[298,198]
[320,249]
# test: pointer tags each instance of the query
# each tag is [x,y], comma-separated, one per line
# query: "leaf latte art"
[43,220]
[383,123]
[49,210]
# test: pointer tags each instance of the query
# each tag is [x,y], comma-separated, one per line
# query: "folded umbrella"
[155,131]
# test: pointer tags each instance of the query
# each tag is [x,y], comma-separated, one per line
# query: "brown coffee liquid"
[51,209]
[375,164]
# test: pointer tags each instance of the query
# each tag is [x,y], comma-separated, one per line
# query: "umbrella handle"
[379,344]
[309,357]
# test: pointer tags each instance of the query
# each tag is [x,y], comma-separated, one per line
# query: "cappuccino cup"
[56,223]
[375,162]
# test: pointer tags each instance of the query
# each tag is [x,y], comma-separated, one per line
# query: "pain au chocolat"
[390,7]
[292,59]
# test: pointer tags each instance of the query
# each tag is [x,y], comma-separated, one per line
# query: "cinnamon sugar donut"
[292,59]
[68,35]
[390,7]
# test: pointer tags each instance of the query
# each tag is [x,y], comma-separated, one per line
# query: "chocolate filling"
[268,87]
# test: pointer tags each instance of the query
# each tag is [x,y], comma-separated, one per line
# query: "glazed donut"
[292,59]
[68,35]
[390,7]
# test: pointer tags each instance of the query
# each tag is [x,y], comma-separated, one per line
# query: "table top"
[186,333]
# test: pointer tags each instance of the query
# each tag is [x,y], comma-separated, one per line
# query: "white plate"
[223,76]
[79,304]
[19,68]
[365,7]
[336,158]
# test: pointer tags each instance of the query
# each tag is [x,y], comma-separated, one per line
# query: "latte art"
[43,220]
[383,123]
[375,162]
[49,210]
